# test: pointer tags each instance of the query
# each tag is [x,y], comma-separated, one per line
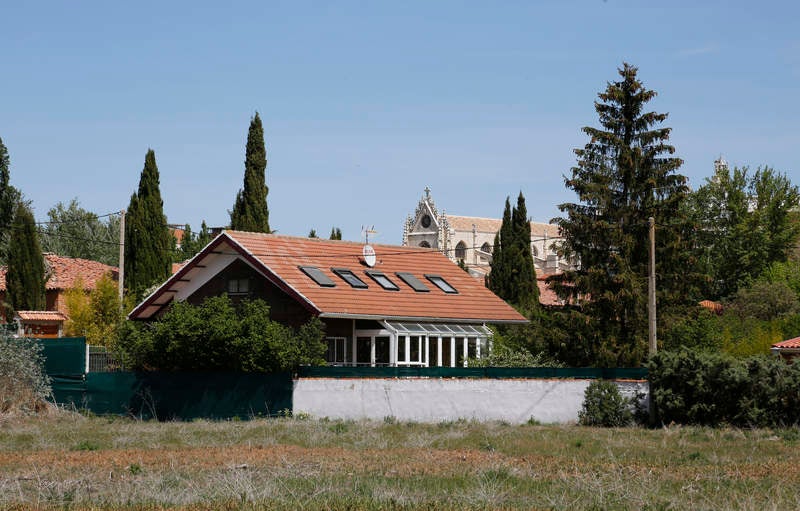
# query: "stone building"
[471,239]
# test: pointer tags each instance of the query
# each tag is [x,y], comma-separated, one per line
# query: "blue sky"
[365,104]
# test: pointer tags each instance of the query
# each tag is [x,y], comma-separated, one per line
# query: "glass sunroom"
[410,344]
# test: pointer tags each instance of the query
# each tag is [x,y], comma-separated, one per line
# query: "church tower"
[426,228]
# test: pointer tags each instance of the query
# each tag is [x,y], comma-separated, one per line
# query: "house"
[40,324]
[788,349]
[381,305]
[62,273]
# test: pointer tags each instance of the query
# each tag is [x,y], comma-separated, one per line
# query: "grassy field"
[68,461]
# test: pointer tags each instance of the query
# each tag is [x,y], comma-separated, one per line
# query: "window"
[350,277]
[337,350]
[238,286]
[383,280]
[441,284]
[317,276]
[412,281]
[424,244]
[461,250]
[486,248]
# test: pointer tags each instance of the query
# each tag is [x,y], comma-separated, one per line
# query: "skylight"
[441,284]
[317,276]
[412,281]
[350,277]
[382,280]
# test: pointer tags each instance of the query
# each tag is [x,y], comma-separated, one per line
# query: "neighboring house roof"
[64,271]
[788,344]
[279,258]
[465,223]
[547,296]
[714,307]
[41,316]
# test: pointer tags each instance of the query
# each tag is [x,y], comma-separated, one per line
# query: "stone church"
[470,239]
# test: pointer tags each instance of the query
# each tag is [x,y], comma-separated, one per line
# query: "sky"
[364,104]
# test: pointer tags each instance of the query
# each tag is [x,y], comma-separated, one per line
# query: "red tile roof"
[789,343]
[41,316]
[65,270]
[714,307]
[279,258]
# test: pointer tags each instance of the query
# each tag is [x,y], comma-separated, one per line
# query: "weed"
[86,445]
[134,469]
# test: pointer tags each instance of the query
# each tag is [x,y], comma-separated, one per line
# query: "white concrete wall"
[435,399]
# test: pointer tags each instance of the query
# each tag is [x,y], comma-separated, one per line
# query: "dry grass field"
[68,461]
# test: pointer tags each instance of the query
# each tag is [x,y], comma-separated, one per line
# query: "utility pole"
[651,291]
[121,258]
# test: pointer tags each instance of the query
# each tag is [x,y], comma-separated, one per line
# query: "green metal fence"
[609,373]
[168,396]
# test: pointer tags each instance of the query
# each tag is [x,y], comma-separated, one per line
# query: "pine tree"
[624,175]
[336,233]
[26,273]
[147,237]
[312,233]
[250,212]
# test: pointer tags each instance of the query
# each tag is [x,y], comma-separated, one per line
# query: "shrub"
[603,405]
[712,389]
[219,336]
[24,387]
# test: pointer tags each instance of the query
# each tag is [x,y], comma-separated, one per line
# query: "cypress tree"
[336,233]
[250,212]
[9,197]
[25,277]
[500,267]
[147,238]
[524,291]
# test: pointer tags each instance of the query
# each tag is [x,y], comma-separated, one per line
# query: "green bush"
[690,387]
[218,336]
[603,405]
[24,387]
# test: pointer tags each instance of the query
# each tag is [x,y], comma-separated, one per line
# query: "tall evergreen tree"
[250,212]
[500,271]
[625,174]
[336,233]
[147,237]
[9,197]
[525,290]
[26,272]
[513,276]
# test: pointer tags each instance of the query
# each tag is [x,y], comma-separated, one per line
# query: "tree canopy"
[147,237]
[250,211]
[26,271]
[75,232]
[744,224]
[625,174]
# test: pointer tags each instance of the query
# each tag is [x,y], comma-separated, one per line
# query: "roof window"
[317,276]
[350,277]
[382,280]
[412,281]
[442,284]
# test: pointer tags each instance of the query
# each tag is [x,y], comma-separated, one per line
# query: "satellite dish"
[369,255]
